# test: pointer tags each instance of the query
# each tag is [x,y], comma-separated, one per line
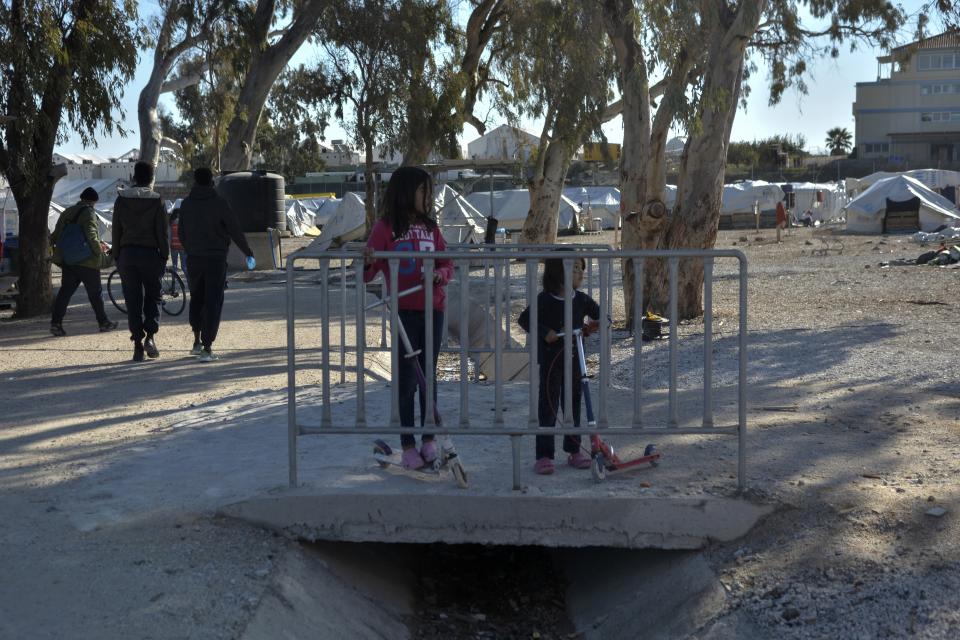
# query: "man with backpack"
[80,254]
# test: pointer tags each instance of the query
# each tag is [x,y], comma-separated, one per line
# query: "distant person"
[178,257]
[807,218]
[141,246]
[206,226]
[80,259]
[550,321]
[781,219]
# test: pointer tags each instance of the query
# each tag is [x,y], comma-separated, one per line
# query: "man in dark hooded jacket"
[207,224]
[141,246]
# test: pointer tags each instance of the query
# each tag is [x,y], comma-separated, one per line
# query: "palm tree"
[839,141]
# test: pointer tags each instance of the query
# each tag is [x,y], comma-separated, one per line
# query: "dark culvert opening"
[433,591]
[478,591]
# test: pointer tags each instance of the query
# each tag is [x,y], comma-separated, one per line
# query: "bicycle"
[173,293]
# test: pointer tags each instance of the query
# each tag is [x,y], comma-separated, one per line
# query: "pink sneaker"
[543,466]
[410,458]
[428,451]
[579,460]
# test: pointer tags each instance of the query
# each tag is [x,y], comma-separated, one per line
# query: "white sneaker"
[197,349]
[207,355]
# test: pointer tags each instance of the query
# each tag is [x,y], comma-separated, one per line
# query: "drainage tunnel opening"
[433,591]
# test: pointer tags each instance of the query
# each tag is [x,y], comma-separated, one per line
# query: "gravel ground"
[855,351]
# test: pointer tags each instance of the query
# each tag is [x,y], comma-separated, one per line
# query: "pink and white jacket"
[418,239]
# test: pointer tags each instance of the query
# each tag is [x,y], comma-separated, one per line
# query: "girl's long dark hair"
[400,200]
[553,274]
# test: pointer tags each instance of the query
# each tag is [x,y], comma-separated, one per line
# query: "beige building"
[913,114]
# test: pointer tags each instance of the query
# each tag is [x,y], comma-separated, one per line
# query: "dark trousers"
[73,276]
[552,403]
[206,276]
[415,324]
[141,272]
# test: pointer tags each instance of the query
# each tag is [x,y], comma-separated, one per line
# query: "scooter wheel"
[598,469]
[459,474]
[649,451]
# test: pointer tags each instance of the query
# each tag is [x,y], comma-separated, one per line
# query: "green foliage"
[556,64]
[766,153]
[839,141]
[63,67]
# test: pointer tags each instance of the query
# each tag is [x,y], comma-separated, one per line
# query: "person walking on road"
[80,259]
[207,224]
[141,246]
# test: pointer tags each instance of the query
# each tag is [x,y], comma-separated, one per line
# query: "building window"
[937,61]
[940,116]
[939,89]
[876,147]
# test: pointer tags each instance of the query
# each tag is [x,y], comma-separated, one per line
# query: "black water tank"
[257,199]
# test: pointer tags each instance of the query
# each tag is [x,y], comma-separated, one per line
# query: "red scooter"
[605,460]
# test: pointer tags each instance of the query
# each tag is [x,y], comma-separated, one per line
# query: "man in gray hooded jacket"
[141,247]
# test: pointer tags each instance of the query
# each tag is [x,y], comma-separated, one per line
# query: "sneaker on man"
[410,459]
[207,355]
[108,326]
[57,330]
[579,460]
[151,348]
[197,349]
[543,466]
[428,451]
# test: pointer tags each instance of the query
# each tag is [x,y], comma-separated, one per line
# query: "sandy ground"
[110,471]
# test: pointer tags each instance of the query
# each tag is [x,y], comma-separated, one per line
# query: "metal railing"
[496,258]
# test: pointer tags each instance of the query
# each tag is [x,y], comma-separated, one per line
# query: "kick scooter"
[604,457]
[448,457]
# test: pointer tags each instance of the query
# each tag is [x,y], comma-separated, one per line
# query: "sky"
[828,104]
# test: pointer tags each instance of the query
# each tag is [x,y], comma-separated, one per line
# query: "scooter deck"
[385,457]
[602,465]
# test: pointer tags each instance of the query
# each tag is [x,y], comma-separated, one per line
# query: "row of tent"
[910,198]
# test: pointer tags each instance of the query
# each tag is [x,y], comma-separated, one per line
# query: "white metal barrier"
[496,260]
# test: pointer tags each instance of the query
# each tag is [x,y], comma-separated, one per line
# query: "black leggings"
[415,322]
[552,403]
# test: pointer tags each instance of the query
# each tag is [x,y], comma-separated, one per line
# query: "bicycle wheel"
[115,291]
[174,293]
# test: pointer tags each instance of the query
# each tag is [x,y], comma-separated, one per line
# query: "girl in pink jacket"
[409,224]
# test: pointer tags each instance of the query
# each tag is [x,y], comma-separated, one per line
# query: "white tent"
[460,222]
[828,207]
[322,208]
[741,196]
[510,208]
[602,201]
[867,212]
[931,178]
[346,224]
[66,191]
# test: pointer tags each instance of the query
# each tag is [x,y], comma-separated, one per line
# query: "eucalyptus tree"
[266,54]
[359,37]
[446,67]
[179,27]
[63,66]
[720,37]
[556,65]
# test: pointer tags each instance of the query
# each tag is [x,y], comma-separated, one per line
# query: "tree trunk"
[540,227]
[639,231]
[370,203]
[266,64]
[147,114]
[700,188]
[36,291]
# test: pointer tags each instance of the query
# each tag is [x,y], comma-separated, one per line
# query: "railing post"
[674,263]
[638,265]
[361,338]
[742,380]
[708,341]
[464,340]
[326,418]
[428,332]
[292,429]
[394,264]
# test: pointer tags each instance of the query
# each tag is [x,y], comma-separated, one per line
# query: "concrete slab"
[555,521]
